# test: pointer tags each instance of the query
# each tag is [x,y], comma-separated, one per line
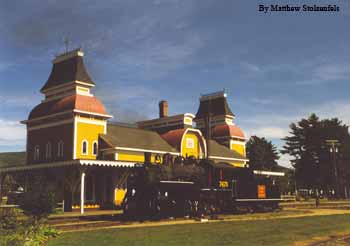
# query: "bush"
[8,218]
[38,204]
[17,230]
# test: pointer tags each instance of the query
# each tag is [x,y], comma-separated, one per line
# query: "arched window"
[84,147]
[94,148]
[48,151]
[60,149]
[36,152]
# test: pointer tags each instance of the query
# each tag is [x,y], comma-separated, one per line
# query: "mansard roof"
[135,138]
[227,131]
[67,68]
[215,104]
[74,102]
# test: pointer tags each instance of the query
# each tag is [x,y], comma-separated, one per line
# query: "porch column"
[1,188]
[82,192]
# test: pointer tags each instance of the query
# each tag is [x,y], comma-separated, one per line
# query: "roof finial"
[66,43]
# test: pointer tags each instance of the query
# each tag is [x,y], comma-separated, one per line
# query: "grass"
[9,159]
[270,232]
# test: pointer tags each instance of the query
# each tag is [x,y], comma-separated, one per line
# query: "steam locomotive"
[190,187]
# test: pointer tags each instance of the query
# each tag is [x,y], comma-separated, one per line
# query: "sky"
[275,67]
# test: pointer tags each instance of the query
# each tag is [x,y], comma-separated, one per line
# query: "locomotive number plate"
[261,191]
[223,184]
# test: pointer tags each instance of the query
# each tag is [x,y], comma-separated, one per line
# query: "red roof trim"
[78,102]
[227,130]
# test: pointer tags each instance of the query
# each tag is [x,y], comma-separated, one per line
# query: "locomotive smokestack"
[163,109]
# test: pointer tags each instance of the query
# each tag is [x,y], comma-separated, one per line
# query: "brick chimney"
[163,109]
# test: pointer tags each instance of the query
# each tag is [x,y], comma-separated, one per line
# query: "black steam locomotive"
[188,187]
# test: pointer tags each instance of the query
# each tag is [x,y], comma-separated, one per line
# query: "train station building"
[74,146]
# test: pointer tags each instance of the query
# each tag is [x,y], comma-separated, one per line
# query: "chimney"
[163,109]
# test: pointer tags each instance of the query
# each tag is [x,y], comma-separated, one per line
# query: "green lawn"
[248,233]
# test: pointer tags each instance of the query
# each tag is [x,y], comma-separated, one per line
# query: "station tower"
[67,123]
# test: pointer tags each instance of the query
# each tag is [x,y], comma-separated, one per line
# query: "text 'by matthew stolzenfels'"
[298,8]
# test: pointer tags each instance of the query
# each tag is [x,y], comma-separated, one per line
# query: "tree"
[311,156]
[262,154]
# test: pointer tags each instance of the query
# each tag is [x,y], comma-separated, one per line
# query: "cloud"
[12,133]
[26,101]
[285,160]
[272,132]
[338,109]
[275,126]
[263,101]
[332,72]
[249,67]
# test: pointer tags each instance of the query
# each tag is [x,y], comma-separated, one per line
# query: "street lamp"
[333,149]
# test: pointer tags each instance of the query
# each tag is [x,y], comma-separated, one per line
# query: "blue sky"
[275,67]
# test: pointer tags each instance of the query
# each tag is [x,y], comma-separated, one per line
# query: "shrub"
[37,204]
[17,230]
[8,218]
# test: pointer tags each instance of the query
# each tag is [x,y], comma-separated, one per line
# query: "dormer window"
[60,149]
[84,147]
[94,148]
[36,152]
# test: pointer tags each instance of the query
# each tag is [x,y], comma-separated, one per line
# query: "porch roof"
[70,163]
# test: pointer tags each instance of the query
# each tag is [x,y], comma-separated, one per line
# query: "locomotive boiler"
[190,187]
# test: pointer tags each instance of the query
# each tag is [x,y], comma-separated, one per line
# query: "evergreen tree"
[311,156]
[262,154]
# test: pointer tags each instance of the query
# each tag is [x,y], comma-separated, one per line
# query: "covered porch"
[79,185]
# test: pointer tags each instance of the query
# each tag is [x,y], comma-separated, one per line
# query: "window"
[48,151]
[60,149]
[94,148]
[190,143]
[36,152]
[84,147]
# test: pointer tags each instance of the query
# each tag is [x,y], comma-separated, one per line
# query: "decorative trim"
[62,122]
[230,137]
[146,150]
[65,94]
[45,117]
[201,136]
[67,84]
[91,121]
[189,115]
[238,142]
[258,200]
[226,158]
[91,113]
[75,130]
[70,163]
[68,55]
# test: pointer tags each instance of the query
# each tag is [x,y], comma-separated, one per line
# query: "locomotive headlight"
[133,192]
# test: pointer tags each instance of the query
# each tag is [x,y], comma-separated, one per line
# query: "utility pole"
[333,149]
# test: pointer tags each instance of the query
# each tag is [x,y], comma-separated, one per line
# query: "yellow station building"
[73,143]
